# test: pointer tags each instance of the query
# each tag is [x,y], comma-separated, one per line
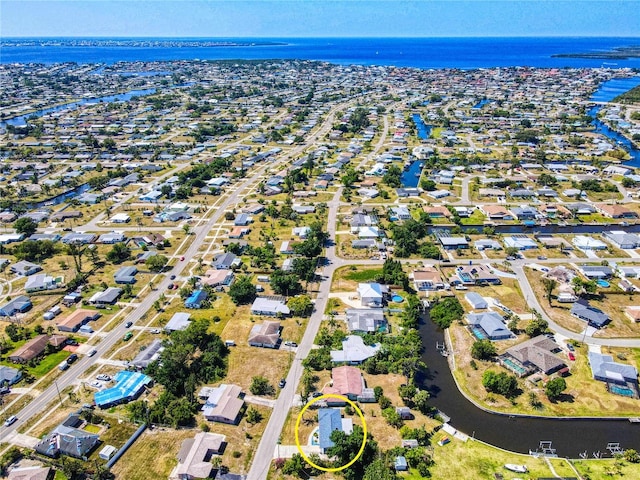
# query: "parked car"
[571,356]
[104,377]
[92,352]
[172,277]
[96,384]
[570,347]
[4,390]
[128,324]
[541,257]
[10,421]
[72,358]
[155,330]
[511,257]
[282,383]
[127,336]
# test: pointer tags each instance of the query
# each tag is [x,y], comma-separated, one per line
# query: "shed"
[107,452]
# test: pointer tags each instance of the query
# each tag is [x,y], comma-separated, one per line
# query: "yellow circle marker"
[364,432]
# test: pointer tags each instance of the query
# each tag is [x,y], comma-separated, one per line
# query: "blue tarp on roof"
[330,420]
[128,386]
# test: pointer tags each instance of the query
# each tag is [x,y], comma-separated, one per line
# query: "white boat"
[516,468]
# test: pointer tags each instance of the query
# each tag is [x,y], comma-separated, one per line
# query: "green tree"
[483,349]
[25,226]
[536,326]
[300,305]
[555,387]
[420,401]
[346,448]
[156,263]
[119,253]
[392,177]
[501,383]
[379,470]
[261,386]
[242,291]
[253,416]
[444,311]
[284,283]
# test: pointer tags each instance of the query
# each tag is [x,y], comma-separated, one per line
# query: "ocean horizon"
[418,52]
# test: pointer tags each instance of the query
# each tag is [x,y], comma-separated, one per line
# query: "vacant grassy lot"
[607,300]
[346,279]
[584,396]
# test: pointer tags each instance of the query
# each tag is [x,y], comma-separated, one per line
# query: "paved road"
[38,405]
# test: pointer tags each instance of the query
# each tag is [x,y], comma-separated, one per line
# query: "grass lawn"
[92,428]
[608,301]
[49,362]
[362,276]
[584,396]
[346,279]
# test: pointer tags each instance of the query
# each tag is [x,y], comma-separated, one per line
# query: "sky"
[319,18]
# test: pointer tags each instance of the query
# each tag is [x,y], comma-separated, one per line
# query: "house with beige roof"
[223,403]
[426,279]
[266,334]
[194,458]
[616,211]
[76,319]
[496,212]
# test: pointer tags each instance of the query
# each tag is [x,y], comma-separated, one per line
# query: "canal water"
[607,92]
[411,176]
[122,97]
[570,437]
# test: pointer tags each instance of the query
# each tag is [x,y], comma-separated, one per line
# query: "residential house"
[216,278]
[31,473]
[584,242]
[347,381]
[24,268]
[9,375]
[590,314]
[76,319]
[107,297]
[633,313]
[580,208]
[491,325]
[35,347]
[126,275]
[453,243]
[486,244]
[354,351]
[427,279]
[194,457]
[476,301]
[39,282]
[438,211]
[75,238]
[616,211]
[266,334]
[371,294]
[330,420]
[19,304]
[111,238]
[68,439]
[524,213]
[179,321]
[400,213]
[622,240]
[538,354]
[521,242]
[366,320]
[226,261]
[223,403]
[596,271]
[196,299]
[496,212]
[271,307]
[619,377]
[150,354]
[474,275]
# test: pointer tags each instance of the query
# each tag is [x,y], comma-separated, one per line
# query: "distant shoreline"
[620,53]
[141,43]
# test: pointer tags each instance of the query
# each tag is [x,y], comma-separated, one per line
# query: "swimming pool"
[619,390]
[397,298]
[479,334]
[603,283]
[514,366]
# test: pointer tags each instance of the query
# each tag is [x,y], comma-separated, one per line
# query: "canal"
[570,437]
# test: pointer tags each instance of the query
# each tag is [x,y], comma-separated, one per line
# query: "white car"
[104,377]
[155,330]
[96,384]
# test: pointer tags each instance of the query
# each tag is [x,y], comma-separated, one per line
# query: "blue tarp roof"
[128,386]
[330,420]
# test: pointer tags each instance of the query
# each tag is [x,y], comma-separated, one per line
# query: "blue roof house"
[19,304]
[330,420]
[196,299]
[401,464]
[590,314]
[491,323]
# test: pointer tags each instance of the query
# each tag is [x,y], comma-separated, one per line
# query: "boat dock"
[634,419]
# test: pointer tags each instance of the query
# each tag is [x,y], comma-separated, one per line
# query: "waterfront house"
[521,242]
[476,301]
[596,271]
[426,279]
[619,377]
[584,242]
[366,320]
[496,212]
[622,240]
[616,211]
[491,325]
[536,354]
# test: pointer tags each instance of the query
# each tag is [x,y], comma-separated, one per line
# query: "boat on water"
[516,468]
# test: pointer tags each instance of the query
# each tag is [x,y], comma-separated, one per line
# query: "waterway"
[607,92]
[422,128]
[121,97]
[411,176]
[570,437]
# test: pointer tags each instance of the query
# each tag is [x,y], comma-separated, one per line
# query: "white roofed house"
[39,282]
[366,320]
[272,307]
[223,403]
[372,294]
[354,351]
